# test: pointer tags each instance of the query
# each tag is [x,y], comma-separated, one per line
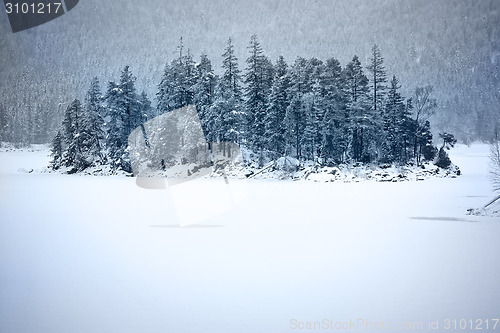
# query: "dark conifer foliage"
[96,133]
[313,110]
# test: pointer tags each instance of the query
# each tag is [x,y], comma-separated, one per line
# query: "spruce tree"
[116,115]
[72,125]
[312,137]
[394,120]
[128,101]
[204,95]
[275,129]
[424,144]
[255,103]
[146,111]
[93,125]
[227,117]
[57,151]
[336,121]
[232,75]
[357,106]
[378,78]
[295,119]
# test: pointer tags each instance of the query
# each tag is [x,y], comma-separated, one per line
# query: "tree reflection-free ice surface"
[92,254]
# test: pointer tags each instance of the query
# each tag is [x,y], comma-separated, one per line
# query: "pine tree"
[72,125]
[176,87]
[165,91]
[116,116]
[128,101]
[204,95]
[255,93]
[295,113]
[409,131]
[374,134]
[394,120]
[378,78]
[449,141]
[57,151]
[231,77]
[93,125]
[125,113]
[336,121]
[357,106]
[275,130]
[312,138]
[424,142]
[146,111]
[4,124]
[226,112]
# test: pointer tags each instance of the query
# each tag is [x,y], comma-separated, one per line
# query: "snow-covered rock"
[287,164]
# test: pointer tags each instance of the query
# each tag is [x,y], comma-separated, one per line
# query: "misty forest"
[369,86]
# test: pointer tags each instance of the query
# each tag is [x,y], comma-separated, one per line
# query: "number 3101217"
[33,8]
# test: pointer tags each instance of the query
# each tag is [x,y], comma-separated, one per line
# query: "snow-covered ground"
[99,254]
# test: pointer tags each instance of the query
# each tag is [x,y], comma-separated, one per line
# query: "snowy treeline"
[96,132]
[312,110]
[450,44]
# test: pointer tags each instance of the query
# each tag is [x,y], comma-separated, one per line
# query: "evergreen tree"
[357,106]
[176,87]
[231,77]
[255,93]
[116,116]
[394,121]
[226,111]
[204,95]
[3,124]
[378,78]
[128,101]
[125,115]
[336,121]
[374,133]
[93,125]
[146,111]
[424,143]
[449,141]
[312,138]
[275,130]
[164,95]
[295,113]
[57,151]
[72,125]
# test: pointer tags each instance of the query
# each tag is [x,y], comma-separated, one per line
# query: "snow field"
[99,254]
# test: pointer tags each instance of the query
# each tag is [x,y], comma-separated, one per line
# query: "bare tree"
[425,106]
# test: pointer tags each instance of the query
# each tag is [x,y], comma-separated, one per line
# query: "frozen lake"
[95,254]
